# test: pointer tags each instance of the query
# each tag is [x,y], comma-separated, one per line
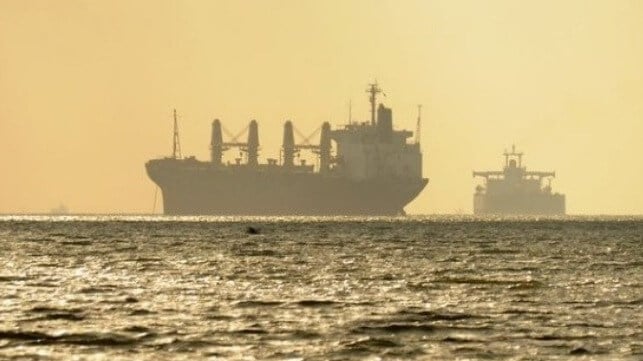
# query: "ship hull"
[203,190]
[519,204]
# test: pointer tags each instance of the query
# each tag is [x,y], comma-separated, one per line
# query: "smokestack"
[288,145]
[216,143]
[253,144]
[324,148]
[384,123]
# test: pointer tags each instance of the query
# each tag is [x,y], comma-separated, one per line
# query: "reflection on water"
[154,288]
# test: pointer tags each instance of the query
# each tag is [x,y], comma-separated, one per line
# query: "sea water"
[424,288]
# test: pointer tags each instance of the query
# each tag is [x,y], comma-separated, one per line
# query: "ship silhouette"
[61,209]
[514,190]
[364,168]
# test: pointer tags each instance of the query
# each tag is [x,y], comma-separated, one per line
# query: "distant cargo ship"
[372,170]
[60,210]
[514,190]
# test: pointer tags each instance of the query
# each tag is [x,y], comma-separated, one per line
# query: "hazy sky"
[87,90]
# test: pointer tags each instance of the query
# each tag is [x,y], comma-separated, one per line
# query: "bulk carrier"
[516,191]
[365,168]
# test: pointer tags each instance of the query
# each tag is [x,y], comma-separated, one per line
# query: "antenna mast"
[373,90]
[176,145]
[418,125]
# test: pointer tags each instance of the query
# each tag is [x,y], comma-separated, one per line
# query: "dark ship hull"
[521,204]
[198,188]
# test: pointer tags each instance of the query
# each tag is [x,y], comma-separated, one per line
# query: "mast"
[176,146]
[418,125]
[513,153]
[373,90]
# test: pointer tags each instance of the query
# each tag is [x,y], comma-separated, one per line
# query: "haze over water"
[87,90]
[437,288]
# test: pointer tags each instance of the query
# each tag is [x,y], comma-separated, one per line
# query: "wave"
[84,339]
[396,328]
[255,303]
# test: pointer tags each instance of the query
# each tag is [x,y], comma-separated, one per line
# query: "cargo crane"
[290,149]
[250,148]
[176,142]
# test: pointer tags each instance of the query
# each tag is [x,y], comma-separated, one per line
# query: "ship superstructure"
[365,168]
[514,190]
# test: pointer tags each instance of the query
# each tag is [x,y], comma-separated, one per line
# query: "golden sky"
[87,90]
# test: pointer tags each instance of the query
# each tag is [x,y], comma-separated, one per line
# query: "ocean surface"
[434,288]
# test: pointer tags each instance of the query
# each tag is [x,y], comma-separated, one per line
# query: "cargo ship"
[516,191]
[363,168]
